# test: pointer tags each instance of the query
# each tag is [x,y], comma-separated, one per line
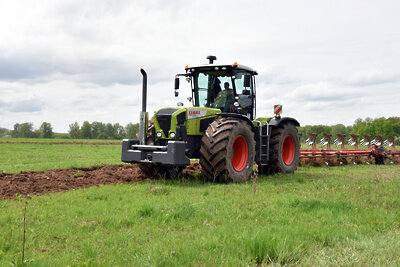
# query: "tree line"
[26,130]
[4,132]
[373,127]
[99,130]
[94,130]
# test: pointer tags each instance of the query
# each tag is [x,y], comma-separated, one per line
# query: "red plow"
[374,151]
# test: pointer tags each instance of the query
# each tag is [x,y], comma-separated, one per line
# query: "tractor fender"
[276,121]
[237,116]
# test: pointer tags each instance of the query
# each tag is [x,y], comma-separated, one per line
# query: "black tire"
[217,152]
[284,150]
[152,170]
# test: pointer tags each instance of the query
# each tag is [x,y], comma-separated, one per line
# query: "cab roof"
[234,66]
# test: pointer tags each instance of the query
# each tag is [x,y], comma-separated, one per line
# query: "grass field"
[34,157]
[319,216]
[53,140]
[346,215]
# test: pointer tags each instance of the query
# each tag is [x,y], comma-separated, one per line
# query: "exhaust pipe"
[144,90]
[143,114]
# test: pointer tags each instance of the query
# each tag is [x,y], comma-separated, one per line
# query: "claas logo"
[194,112]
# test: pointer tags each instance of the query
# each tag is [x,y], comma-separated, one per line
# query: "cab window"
[239,84]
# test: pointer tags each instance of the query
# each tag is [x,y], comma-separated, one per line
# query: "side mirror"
[176,83]
[247,80]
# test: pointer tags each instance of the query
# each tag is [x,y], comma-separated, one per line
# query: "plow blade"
[374,150]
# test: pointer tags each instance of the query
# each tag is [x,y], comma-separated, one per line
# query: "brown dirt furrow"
[39,183]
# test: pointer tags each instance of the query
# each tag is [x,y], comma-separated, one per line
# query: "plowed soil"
[39,183]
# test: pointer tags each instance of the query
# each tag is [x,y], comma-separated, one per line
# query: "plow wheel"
[284,149]
[160,171]
[227,151]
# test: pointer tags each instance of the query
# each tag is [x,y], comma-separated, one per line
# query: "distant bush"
[379,126]
[99,130]
[46,130]
[369,126]
[4,132]
[26,130]
[61,136]
[397,141]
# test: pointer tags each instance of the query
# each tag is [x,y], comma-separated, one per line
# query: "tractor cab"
[230,88]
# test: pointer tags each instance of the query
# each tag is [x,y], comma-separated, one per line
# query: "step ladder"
[262,137]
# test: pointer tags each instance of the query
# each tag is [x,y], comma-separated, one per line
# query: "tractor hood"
[195,120]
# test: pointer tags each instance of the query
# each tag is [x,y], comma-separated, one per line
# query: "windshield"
[217,89]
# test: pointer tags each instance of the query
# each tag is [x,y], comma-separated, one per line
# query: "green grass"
[15,158]
[53,140]
[320,216]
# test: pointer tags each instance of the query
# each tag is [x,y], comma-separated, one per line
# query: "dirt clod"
[192,169]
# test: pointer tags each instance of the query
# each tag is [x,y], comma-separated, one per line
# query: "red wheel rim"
[240,153]
[288,149]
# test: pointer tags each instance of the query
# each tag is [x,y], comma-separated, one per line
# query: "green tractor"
[221,129]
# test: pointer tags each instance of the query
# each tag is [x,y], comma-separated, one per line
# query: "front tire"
[227,151]
[284,149]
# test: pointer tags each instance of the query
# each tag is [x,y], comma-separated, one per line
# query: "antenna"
[211,59]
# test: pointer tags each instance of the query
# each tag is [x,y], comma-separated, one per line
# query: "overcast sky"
[327,62]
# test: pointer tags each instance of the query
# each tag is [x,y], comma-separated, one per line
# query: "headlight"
[172,135]
[236,104]
[159,134]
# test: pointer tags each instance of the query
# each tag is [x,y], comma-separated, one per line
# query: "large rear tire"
[227,151]
[284,149]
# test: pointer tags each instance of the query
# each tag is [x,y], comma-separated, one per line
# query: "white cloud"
[322,92]
[372,77]
[26,105]
[327,62]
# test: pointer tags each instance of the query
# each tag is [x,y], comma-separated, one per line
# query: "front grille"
[164,119]
[165,123]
